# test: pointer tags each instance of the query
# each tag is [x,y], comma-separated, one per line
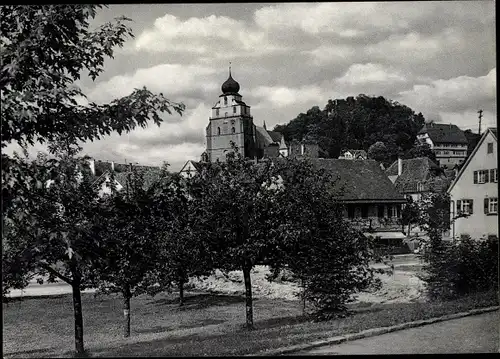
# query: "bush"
[464,267]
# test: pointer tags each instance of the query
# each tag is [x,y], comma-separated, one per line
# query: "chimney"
[92,166]
[400,166]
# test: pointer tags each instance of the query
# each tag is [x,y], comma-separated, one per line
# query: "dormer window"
[217,112]
[234,109]
[225,100]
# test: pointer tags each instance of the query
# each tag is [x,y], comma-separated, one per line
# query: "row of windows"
[244,109]
[449,145]
[466,206]
[362,212]
[485,176]
[461,153]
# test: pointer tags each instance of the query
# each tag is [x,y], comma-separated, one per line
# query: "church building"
[231,121]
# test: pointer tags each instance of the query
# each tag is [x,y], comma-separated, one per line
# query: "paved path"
[34,290]
[473,334]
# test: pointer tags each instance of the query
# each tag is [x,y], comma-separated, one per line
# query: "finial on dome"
[230,85]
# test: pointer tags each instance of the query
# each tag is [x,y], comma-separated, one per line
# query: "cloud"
[359,74]
[469,119]
[414,47]
[280,96]
[211,34]
[173,80]
[326,54]
[455,95]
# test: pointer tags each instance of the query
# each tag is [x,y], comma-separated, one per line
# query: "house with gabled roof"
[354,155]
[371,202]
[447,141]
[474,192]
[416,176]
[101,171]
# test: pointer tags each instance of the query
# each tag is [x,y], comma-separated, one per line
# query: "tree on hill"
[378,152]
[420,150]
[357,123]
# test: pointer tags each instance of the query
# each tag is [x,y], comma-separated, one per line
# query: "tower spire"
[264,125]
[229,68]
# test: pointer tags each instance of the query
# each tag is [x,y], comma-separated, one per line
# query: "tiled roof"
[443,133]
[275,135]
[150,175]
[362,180]
[417,170]
[263,137]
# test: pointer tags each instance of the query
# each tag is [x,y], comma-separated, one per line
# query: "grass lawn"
[208,324]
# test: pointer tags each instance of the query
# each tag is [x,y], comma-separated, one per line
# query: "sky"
[436,57]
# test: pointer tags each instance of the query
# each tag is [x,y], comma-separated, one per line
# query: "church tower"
[230,121]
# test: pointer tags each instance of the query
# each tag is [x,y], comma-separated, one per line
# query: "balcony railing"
[376,224]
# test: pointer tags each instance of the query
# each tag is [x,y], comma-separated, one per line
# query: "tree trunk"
[126,310]
[248,297]
[303,298]
[181,291]
[77,308]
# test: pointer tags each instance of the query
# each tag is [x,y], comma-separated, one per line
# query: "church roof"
[263,137]
[275,135]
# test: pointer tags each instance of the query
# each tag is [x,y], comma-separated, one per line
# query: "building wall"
[449,155]
[218,144]
[478,224]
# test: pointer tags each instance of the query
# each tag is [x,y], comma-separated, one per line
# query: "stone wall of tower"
[220,134]
[230,121]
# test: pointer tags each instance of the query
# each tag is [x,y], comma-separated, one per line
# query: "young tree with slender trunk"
[52,222]
[329,258]
[44,50]
[237,200]
[129,253]
[181,246]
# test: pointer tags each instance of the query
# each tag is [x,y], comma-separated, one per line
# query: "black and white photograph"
[249,179]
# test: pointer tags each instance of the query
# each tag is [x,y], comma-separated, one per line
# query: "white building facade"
[474,192]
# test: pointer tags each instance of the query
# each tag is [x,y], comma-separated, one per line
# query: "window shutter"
[471,207]
[458,206]
[486,206]
[475,176]
[486,179]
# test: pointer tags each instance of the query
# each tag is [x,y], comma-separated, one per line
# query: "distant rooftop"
[444,133]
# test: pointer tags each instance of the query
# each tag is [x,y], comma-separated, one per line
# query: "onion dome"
[230,85]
